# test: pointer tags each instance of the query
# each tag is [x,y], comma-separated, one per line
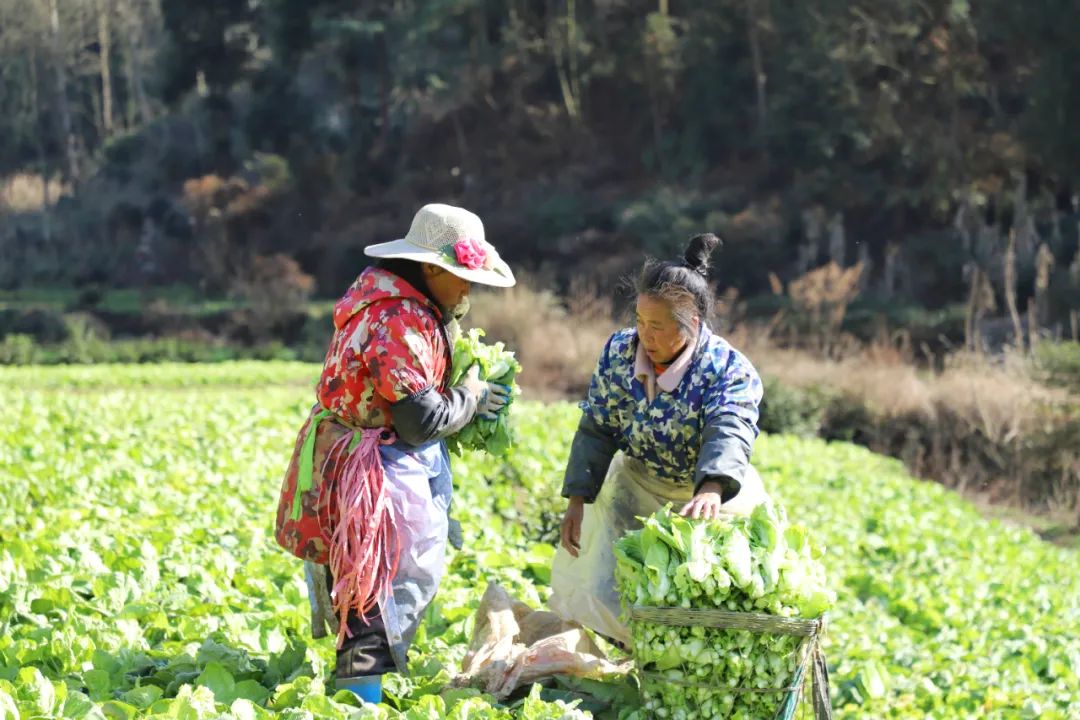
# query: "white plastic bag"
[583,588]
[419,484]
[514,645]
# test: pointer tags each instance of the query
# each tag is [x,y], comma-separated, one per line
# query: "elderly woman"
[366,498]
[670,417]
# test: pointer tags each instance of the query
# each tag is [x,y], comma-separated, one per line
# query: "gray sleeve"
[429,415]
[725,453]
[590,457]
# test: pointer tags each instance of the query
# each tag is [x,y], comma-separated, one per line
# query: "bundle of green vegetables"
[498,365]
[759,564]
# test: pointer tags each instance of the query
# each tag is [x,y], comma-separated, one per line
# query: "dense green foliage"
[139,576]
[1059,363]
[624,124]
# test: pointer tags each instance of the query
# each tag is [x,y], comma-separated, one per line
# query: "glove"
[455,534]
[491,398]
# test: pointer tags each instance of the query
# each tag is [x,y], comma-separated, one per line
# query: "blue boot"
[367,688]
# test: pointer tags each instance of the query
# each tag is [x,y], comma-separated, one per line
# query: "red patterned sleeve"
[401,352]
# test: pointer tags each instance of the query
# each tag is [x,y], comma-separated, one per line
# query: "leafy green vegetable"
[739,564]
[497,365]
[135,552]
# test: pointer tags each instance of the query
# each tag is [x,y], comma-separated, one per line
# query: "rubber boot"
[367,688]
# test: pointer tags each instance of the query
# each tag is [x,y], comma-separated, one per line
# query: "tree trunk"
[43,158]
[980,300]
[104,44]
[837,239]
[1033,325]
[1010,290]
[969,311]
[1044,264]
[1024,244]
[813,223]
[140,87]
[1074,273]
[385,88]
[67,134]
[760,78]
[94,91]
[867,264]
[892,259]
[462,144]
[137,88]
[564,67]
[657,122]
[571,48]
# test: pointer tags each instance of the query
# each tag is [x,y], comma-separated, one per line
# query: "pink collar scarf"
[670,378]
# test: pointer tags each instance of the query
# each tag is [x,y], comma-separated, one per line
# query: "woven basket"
[807,655]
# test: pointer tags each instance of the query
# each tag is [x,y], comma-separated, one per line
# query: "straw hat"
[452,238]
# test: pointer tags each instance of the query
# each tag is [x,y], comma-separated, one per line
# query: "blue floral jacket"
[703,430]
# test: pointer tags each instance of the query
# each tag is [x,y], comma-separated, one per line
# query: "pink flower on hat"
[471,253]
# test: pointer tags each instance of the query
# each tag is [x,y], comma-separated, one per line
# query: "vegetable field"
[139,576]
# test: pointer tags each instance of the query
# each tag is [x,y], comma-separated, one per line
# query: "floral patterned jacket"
[703,430]
[389,344]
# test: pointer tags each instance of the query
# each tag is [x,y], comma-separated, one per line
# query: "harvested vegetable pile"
[758,564]
[497,365]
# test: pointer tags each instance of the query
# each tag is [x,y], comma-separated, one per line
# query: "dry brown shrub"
[983,425]
[823,296]
[557,341]
[26,192]
[275,289]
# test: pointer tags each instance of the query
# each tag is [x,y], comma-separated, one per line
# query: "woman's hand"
[706,503]
[491,398]
[570,532]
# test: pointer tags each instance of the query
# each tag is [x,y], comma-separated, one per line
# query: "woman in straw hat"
[366,498]
[670,417]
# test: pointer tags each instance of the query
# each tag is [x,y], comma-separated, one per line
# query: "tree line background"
[228,144]
[897,183]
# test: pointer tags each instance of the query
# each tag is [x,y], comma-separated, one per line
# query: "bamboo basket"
[810,658]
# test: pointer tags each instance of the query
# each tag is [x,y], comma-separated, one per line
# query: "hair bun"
[698,252]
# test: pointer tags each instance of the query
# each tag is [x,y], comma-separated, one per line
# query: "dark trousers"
[367,652]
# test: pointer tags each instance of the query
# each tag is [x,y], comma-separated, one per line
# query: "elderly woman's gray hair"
[683,285]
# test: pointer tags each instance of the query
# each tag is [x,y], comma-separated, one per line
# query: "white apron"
[583,588]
